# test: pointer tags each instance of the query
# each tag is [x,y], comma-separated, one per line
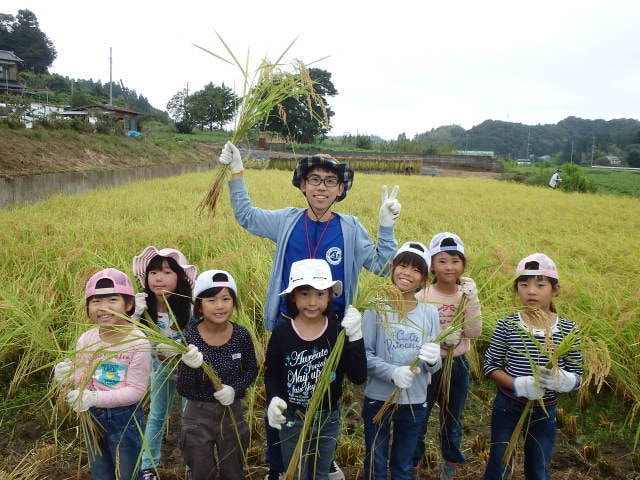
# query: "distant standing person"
[555,179]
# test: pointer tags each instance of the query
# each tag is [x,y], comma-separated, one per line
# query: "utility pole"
[110,81]
[571,159]
[593,148]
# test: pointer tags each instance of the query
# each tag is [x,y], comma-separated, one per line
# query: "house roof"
[108,108]
[8,55]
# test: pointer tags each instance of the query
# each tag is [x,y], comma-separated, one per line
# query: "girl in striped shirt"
[515,362]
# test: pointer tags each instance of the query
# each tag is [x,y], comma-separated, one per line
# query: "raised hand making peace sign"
[390,208]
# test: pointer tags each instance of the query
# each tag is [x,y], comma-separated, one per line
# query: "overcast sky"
[399,67]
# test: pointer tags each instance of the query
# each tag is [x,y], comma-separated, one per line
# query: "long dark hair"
[180,303]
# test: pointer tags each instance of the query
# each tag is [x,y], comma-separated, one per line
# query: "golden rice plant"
[263,90]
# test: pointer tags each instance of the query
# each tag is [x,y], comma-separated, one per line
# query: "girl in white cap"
[214,442]
[455,296]
[518,366]
[394,338]
[109,376]
[167,279]
[298,350]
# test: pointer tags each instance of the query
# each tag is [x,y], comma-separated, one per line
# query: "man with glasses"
[313,232]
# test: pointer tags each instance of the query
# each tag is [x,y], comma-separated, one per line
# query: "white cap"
[313,272]
[205,282]
[420,251]
[436,243]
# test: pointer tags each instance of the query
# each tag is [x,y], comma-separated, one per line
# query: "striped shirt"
[513,349]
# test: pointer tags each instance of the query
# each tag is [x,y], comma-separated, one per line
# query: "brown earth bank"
[42,151]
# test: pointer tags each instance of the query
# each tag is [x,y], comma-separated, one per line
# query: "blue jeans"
[402,422]
[119,443]
[539,433]
[450,413]
[163,392]
[319,447]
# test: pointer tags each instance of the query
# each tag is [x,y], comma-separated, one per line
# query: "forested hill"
[510,139]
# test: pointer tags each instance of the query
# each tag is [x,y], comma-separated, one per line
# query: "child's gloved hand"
[430,352]
[231,156]
[82,401]
[469,288]
[403,376]
[274,412]
[453,338]
[225,395]
[62,371]
[528,388]
[141,306]
[193,357]
[390,208]
[558,380]
[352,324]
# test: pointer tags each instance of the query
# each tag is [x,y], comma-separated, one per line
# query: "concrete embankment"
[33,188]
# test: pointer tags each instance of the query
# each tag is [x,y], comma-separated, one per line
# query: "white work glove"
[528,388]
[403,376]
[468,287]
[231,156]
[225,395]
[141,305]
[164,351]
[430,353]
[558,380]
[81,402]
[274,412]
[193,357]
[390,208]
[62,371]
[352,324]
[453,338]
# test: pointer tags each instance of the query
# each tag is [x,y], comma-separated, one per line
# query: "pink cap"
[546,266]
[120,281]
[141,262]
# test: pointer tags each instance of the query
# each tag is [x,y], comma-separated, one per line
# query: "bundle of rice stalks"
[263,91]
[595,360]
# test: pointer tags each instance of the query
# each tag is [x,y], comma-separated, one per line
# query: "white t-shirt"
[555,179]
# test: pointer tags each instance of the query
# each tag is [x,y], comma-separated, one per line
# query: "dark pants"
[214,440]
[539,434]
[450,412]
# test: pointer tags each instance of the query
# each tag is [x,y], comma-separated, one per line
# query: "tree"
[213,106]
[22,35]
[177,109]
[298,123]
[633,158]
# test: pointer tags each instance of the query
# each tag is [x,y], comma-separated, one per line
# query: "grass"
[52,247]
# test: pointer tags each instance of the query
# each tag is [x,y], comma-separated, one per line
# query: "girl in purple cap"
[518,365]
[110,376]
[167,278]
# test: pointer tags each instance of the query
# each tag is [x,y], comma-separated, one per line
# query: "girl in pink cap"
[168,279]
[518,364]
[109,376]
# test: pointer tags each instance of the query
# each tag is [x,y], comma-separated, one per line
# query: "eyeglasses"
[316,180]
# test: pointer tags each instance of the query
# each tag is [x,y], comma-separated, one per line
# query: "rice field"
[51,248]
